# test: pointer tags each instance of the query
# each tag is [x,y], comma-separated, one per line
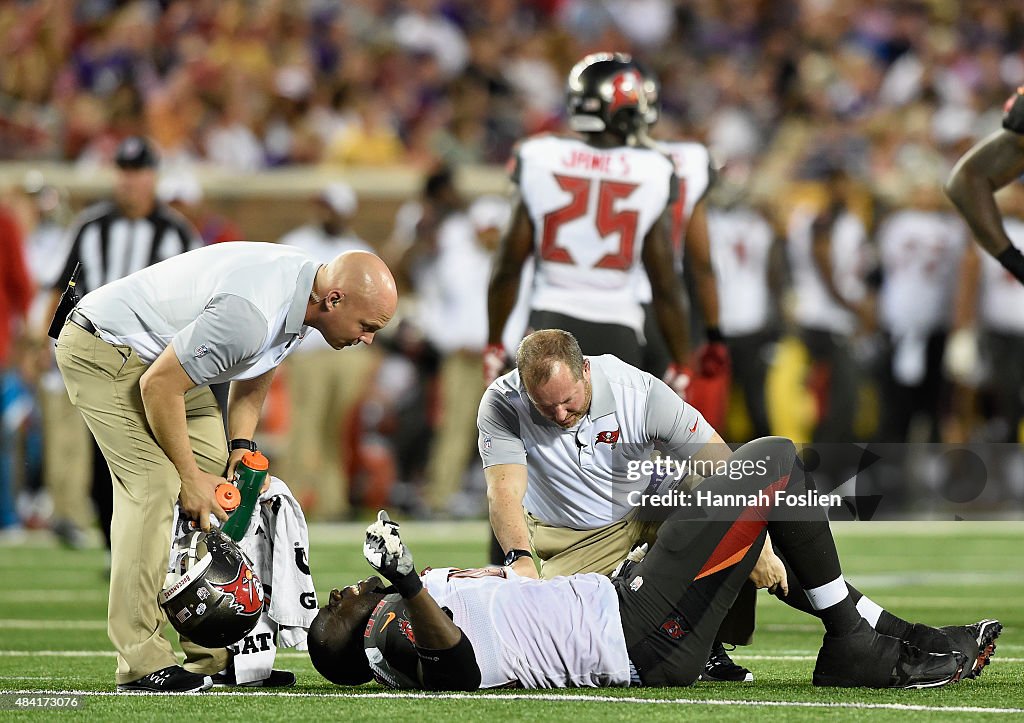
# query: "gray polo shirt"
[230,311]
[581,477]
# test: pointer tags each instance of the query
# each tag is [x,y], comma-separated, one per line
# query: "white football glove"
[495,362]
[678,378]
[389,556]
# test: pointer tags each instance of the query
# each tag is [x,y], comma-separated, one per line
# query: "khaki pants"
[67,459]
[563,551]
[103,383]
[324,386]
[462,386]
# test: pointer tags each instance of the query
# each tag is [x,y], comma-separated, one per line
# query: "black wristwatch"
[243,444]
[514,555]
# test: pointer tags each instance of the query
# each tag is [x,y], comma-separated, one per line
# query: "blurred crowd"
[827,120]
[255,84]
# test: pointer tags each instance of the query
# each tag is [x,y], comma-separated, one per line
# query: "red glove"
[709,392]
[495,362]
[678,378]
[712,359]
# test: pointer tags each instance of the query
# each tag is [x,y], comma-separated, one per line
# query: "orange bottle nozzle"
[228,496]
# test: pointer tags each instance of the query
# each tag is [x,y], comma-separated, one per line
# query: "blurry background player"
[920,248]
[118,237]
[324,387]
[827,256]
[745,256]
[453,317]
[591,211]
[991,164]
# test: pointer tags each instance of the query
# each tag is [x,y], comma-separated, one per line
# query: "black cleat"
[719,668]
[172,679]
[867,659]
[976,641]
[276,679]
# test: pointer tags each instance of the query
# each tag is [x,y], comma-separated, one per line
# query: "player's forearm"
[707,296]
[501,299]
[434,629]
[670,314]
[698,260]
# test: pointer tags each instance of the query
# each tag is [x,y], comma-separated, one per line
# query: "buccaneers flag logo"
[246,591]
[625,91]
[607,437]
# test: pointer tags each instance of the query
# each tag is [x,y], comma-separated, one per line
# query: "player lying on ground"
[652,623]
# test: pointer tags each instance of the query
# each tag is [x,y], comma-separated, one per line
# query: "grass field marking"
[30,624]
[299,655]
[551,698]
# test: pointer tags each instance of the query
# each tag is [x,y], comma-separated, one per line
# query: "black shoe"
[977,641]
[172,679]
[276,679]
[720,669]
[864,658]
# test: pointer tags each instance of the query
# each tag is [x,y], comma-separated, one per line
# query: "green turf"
[52,637]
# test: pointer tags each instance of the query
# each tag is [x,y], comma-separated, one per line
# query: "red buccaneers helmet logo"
[246,591]
[406,628]
[626,88]
[607,437]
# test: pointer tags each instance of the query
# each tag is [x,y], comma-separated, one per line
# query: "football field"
[53,638]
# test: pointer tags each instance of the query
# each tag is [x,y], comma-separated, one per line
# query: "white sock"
[829,594]
[869,610]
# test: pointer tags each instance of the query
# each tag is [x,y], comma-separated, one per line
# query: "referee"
[117,237]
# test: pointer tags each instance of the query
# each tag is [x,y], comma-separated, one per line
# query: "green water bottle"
[250,474]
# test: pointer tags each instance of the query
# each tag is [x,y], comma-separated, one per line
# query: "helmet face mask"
[211,596]
[610,92]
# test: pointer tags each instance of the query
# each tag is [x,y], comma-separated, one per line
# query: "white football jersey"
[920,253]
[693,178]
[741,242]
[1001,295]
[591,209]
[815,307]
[559,633]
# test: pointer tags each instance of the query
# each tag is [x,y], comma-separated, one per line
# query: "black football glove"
[389,556]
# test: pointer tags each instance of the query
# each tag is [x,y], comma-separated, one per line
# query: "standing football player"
[591,210]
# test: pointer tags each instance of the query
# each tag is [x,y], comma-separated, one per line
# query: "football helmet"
[610,91]
[211,595]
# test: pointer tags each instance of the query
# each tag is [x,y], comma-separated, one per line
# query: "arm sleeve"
[452,669]
[500,440]
[230,331]
[680,428]
[1013,112]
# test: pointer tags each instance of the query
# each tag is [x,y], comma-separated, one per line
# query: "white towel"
[277,542]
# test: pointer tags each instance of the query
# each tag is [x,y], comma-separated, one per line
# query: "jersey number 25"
[608,220]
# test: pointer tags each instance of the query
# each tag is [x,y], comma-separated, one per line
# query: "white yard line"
[555,698]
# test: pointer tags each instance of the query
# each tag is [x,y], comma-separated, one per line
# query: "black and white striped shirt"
[111,246]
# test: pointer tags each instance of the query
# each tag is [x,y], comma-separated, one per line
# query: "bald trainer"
[138,356]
